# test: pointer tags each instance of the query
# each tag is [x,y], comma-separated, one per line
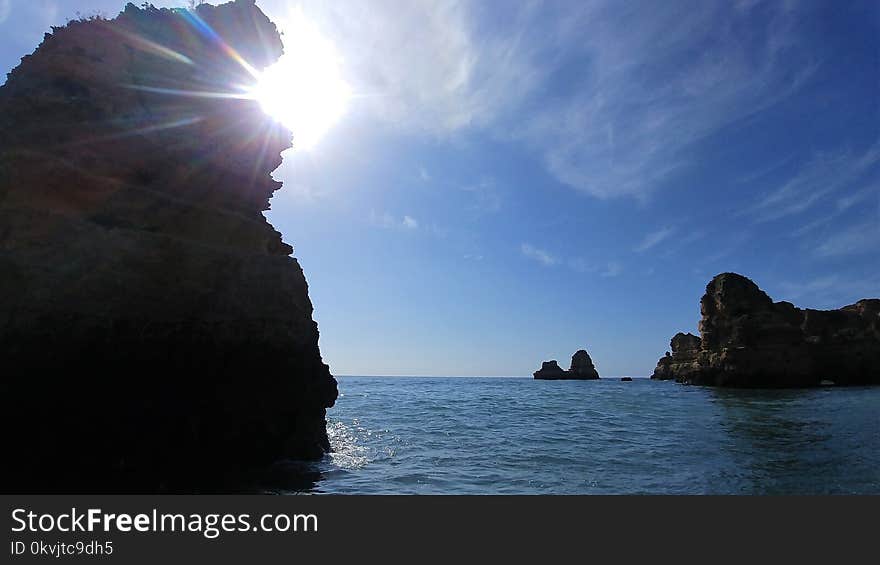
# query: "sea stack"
[155,332]
[582,366]
[550,370]
[747,340]
[581,369]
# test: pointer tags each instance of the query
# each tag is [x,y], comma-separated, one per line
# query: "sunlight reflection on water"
[519,436]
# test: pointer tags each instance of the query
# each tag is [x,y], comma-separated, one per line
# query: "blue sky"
[517,180]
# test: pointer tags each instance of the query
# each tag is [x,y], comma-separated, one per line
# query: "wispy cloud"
[831,291]
[761,172]
[613,269]
[841,206]
[724,249]
[846,202]
[5,9]
[654,238]
[389,221]
[857,239]
[577,264]
[639,98]
[426,66]
[486,198]
[580,265]
[539,255]
[645,100]
[824,175]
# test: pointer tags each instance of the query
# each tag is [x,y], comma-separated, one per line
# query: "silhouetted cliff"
[747,340]
[155,333]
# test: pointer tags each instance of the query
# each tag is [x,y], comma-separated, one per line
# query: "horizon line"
[485,376]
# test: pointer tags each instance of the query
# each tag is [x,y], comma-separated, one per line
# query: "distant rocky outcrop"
[685,348]
[550,370]
[747,340]
[581,368]
[155,333]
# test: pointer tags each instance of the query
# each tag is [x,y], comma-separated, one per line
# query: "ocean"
[487,435]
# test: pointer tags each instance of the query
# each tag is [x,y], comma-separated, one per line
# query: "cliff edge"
[747,340]
[155,333]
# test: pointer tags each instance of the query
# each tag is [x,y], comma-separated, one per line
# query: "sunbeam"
[305,90]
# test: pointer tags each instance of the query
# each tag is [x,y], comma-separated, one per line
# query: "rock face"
[747,340]
[550,370]
[155,333]
[683,359]
[581,368]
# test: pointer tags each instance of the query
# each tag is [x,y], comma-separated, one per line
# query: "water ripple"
[520,436]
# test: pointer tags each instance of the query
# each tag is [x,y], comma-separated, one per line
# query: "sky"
[513,181]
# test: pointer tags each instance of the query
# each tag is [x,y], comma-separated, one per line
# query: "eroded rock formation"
[550,370]
[581,368]
[747,340]
[155,333]
[683,359]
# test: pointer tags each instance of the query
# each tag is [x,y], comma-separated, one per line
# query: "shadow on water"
[769,416]
[290,477]
[351,449]
[775,438]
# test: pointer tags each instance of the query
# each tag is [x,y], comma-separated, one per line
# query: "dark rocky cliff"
[155,333]
[747,340]
[683,359]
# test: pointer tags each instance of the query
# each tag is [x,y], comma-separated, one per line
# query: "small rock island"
[582,368]
[747,340]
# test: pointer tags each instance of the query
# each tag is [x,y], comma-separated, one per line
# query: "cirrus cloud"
[635,98]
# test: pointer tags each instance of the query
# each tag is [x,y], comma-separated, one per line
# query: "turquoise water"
[521,436]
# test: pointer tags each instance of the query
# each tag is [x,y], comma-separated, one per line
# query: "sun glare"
[304,90]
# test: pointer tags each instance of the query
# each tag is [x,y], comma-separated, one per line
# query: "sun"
[304,90]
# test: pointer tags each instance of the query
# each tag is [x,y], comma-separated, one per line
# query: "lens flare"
[304,90]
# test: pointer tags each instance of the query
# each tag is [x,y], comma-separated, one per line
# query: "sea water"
[475,435]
